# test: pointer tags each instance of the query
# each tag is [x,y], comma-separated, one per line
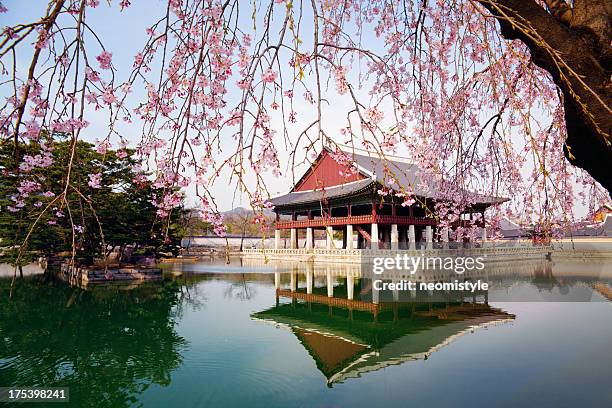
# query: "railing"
[355,220]
[332,301]
[385,251]
[282,251]
[403,220]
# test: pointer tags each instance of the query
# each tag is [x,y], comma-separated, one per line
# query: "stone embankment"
[81,275]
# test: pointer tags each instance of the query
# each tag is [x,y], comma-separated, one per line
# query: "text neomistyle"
[455,285]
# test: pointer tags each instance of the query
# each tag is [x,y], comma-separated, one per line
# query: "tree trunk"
[575,49]
[242,239]
[120,257]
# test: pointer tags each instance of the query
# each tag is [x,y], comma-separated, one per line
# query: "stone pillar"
[411,237]
[309,238]
[484,235]
[309,279]
[429,236]
[349,237]
[277,277]
[350,287]
[445,237]
[293,244]
[329,234]
[374,236]
[375,295]
[330,284]
[293,283]
[403,237]
[394,237]
[277,239]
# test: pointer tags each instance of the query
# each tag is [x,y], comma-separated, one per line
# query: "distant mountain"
[241,211]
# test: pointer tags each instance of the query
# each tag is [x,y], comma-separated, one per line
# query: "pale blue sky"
[123,33]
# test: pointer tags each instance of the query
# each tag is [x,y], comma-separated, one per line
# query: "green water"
[216,337]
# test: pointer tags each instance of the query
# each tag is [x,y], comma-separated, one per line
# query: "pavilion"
[363,195]
[346,342]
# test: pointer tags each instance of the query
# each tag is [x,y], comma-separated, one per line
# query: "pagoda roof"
[347,348]
[343,190]
[391,172]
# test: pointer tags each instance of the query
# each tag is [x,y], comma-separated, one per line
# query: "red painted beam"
[364,233]
[356,220]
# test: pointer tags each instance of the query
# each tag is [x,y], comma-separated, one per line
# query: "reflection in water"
[350,328]
[524,281]
[241,288]
[198,339]
[348,338]
[107,345]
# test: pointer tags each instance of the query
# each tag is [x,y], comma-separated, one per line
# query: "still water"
[216,335]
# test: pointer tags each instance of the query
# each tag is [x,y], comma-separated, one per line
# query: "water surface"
[216,335]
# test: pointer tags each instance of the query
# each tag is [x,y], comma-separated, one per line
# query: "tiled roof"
[389,172]
[301,197]
[406,175]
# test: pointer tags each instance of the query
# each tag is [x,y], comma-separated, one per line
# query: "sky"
[123,34]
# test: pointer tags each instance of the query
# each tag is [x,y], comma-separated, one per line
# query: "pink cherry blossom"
[269,76]
[108,96]
[94,180]
[105,60]
[92,75]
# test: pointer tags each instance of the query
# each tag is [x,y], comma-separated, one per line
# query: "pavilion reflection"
[526,280]
[349,331]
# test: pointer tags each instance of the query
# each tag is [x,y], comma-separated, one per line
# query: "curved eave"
[296,199]
[303,198]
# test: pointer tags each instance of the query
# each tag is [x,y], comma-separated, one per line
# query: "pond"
[219,335]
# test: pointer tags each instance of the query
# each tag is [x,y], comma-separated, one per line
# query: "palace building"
[350,328]
[362,195]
